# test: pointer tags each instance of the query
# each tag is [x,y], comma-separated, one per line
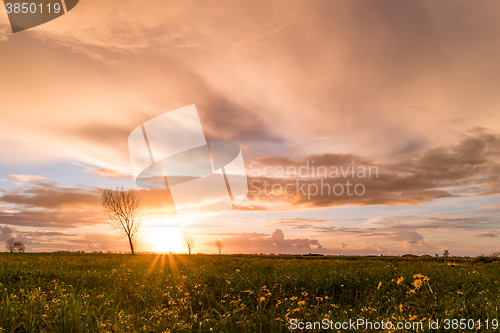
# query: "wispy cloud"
[484,235]
[27,178]
[106,173]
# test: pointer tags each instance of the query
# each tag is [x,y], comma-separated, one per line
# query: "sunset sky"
[409,87]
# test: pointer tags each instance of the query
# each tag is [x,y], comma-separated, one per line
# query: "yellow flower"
[130,270]
[400,307]
[32,297]
[319,299]
[293,298]
[296,310]
[417,283]
[418,276]
[100,296]
[262,299]
[379,285]
[460,293]
[46,307]
[413,317]
[122,265]
[401,279]
[301,303]
[304,293]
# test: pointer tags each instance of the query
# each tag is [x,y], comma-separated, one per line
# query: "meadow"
[238,293]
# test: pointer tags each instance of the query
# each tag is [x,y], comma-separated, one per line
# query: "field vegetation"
[231,293]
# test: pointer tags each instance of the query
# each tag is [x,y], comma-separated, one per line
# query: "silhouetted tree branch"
[121,206]
[13,246]
[19,247]
[219,245]
[9,244]
[188,240]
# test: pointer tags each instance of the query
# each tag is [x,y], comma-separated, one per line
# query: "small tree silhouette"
[121,207]
[446,253]
[219,245]
[13,246]
[19,247]
[9,244]
[189,241]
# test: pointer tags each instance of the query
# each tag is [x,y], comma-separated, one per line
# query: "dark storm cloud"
[45,204]
[52,218]
[470,168]
[406,225]
[49,195]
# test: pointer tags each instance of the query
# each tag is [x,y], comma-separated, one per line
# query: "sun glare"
[166,240]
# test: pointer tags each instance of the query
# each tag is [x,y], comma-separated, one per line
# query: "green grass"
[201,293]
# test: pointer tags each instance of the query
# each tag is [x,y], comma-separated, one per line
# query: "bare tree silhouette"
[446,253]
[19,247]
[121,206]
[9,244]
[13,246]
[189,240]
[219,245]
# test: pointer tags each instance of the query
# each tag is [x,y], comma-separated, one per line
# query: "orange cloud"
[273,243]
[27,178]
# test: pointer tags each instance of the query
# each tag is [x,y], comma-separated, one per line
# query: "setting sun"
[166,240]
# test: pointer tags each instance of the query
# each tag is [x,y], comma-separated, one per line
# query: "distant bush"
[485,259]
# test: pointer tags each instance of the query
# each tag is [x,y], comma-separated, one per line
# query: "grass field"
[202,293]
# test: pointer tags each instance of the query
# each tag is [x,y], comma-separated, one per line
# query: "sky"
[409,89]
